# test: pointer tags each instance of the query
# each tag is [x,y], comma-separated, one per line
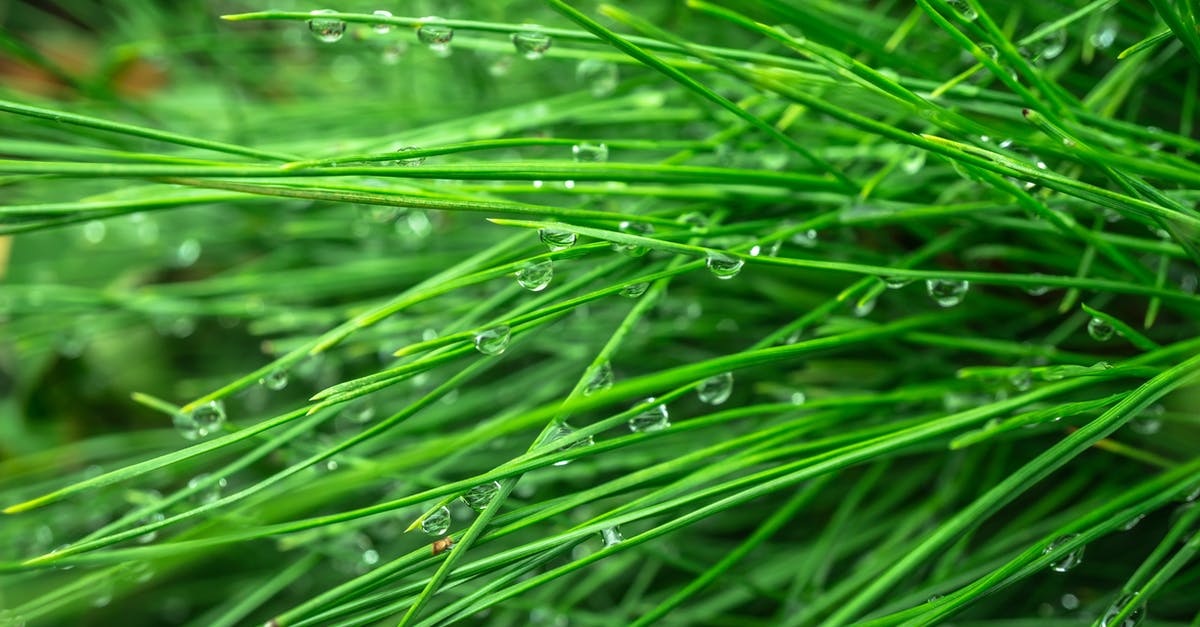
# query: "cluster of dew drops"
[530,43]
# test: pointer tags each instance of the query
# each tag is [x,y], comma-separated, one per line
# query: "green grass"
[945,251]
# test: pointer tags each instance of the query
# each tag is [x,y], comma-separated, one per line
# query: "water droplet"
[10,618]
[437,522]
[436,36]
[653,418]
[358,412]
[964,9]
[1100,329]
[209,494]
[1037,290]
[715,390]
[1133,617]
[805,239]
[392,52]
[990,51]
[564,430]
[590,152]
[93,232]
[798,398]
[724,266]
[1104,36]
[201,421]
[1069,601]
[896,282]
[492,341]
[326,30]
[1058,373]
[1068,561]
[536,275]
[863,308]
[633,228]
[694,219]
[1021,380]
[408,163]
[556,239]
[187,253]
[635,290]
[275,380]
[1132,522]
[947,293]
[531,44]
[1051,44]
[479,497]
[914,162]
[601,379]
[382,28]
[611,536]
[103,594]
[600,77]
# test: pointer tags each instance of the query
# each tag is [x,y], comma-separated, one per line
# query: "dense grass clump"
[768,312]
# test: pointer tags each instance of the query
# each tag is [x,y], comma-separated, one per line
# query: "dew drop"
[556,239]
[93,232]
[1132,619]
[635,290]
[805,239]
[601,379]
[201,421]
[611,536]
[208,494]
[436,36]
[724,266]
[492,341]
[964,9]
[653,418]
[914,162]
[1052,44]
[531,44]
[437,523]
[1104,36]
[358,412]
[1132,522]
[694,219]
[382,28]
[326,30]
[103,594]
[408,163]
[945,292]
[990,51]
[536,275]
[187,253]
[564,430]
[863,308]
[600,77]
[715,390]
[596,153]
[1069,601]
[633,228]
[896,282]
[1068,561]
[1100,329]
[479,497]
[275,380]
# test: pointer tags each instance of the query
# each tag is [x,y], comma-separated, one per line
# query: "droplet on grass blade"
[1100,329]
[275,380]
[947,292]
[437,522]
[633,228]
[436,36]
[635,290]
[1051,45]
[585,152]
[535,276]
[382,28]
[1068,561]
[724,266]
[1132,619]
[611,536]
[653,418]
[601,379]
[408,163]
[563,431]
[326,30]
[208,494]
[479,497]
[964,9]
[716,389]
[557,239]
[531,44]
[201,421]
[492,341]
